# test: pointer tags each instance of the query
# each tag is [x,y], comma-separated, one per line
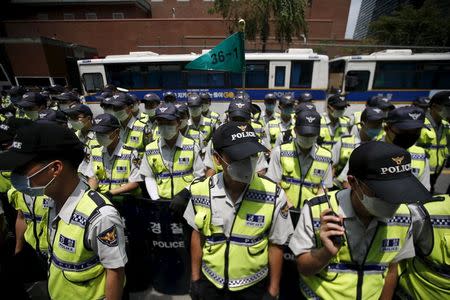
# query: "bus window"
[257,75]
[357,81]
[197,80]
[236,80]
[33,81]
[280,74]
[171,77]
[301,74]
[92,82]
[395,75]
[336,75]
[433,75]
[153,77]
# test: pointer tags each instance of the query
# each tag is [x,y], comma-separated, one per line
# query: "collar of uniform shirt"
[69,206]
[116,151]
[346,207]
[131,122]
[178,143]
[201,122]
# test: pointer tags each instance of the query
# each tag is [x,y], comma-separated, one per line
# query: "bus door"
[279,74]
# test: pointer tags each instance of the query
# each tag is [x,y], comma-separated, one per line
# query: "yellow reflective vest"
[171,182]
[274,130]
[136,137]
[240,260]
[328,140]
[437,150]
[5,182]
[343,278]
[75,270]
[215,117]
[36,218]
[427,276]
[297,186]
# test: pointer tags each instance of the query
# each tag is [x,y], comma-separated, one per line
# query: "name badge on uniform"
[66,244]
[121,169]
[254,220]
[318,172]
[390,245]
[183,160]
[134,138]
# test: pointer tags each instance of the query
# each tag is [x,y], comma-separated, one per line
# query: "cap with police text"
[104,123]
[386,169]
[372,114]
[239,108]
[441,98]
[32,99]
[151,97]
[166,111]
[237,140]
[406,117]
[38,141]
[52,116]
[78,109]
[308,122]
[338,101]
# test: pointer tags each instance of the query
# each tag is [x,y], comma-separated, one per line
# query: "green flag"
[229,55]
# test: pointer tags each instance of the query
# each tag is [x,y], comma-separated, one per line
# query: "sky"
[352,18]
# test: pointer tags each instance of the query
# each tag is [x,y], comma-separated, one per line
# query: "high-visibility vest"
[136,136]
[36,218]
[357,117]
[75,270]
[328,140]
[120,171]
[418,160]
[437,150]
[297,186]
[206,128]
[275,116]
[344,278]
[5,182]
[259,130]
[427,276]
[172,182]
[275,130]
[215,117]
[240,260]
[195,135]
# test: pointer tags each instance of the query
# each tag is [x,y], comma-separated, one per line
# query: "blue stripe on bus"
[396,96]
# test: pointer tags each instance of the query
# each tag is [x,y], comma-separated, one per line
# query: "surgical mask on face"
[184,123]
[150,112]
[305,142]
[270,107]
[104,139]
[77,125]
[242,170]
[195,111]
[168,131]
[135,108]
[377,207]
[372,132]
[338,113]
[444,112]
[33,115]
[205,107]
[405,140]
[287,111]
[108,111]
[121,115]
[64,106]
[22,183]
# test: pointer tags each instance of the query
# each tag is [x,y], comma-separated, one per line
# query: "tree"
[426,26]
[287,17]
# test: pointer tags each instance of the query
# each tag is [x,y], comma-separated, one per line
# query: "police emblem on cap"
[116,96]
[240,105]
[310,106]
[26,96]
[242,127]
[310,119]
[96,121]
[414,116]
[377,110]
[42,115]
[398,160]
[4,127]
[342,98]
[384,99]
[163,109]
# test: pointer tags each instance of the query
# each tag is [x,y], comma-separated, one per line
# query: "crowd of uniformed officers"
[271,201]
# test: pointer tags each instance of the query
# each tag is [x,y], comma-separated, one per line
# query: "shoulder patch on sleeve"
[109,237]
[284,211]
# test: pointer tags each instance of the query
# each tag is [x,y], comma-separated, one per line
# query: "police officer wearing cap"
[113,168]
[206,109]
[269,114]
[370,128]
[285,123]
[377,101]
[151,102]
[433,137]
[80,119]
[240,223]
[302,167]
[198,121]
[238,111]
[53,117]
[334,122]
[422,102]
[172,161]
[66,100]
[135,110]
[32,103]
[132,130]
[185,129]
[86,240]
[348,243]
[169,97]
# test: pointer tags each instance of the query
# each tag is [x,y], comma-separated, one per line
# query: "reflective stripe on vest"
[135,137]
[418,160]
[246,250]
[328,140]
[298,186]
[437,150]
[345,279]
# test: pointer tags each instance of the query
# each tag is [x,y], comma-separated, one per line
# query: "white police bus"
[295,71]
[398,75]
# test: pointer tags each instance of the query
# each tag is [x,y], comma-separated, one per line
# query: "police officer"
[185,129]
[269,114]
[422,102]
[80,119]
[433,137]
[285,123]
[151,102]
[348,243]
[132,131]
[66,100]
[302,167]
[135,110]
[334,122]
[172,161]
[198,121]
[370,128]
[206,109]
[243,220]
[169,97]
[86,241]
[113,168]
[377,101]
[32,103]
[53,117]
[305,98]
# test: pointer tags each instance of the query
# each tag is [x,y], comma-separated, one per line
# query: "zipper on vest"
[226,275]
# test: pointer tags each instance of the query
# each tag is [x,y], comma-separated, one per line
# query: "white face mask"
[121,115]
[104,139]
[195,111]
[184,123]
[108,111]
[32,114]
[205,107]
[77,125]
[338,113]
[168,131]
[64,106]
[305,142]
[150,112]
[242,170]
[377,207]
[22,183]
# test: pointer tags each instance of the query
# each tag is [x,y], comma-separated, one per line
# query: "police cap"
[338,101]
[121,99]
[166,111]
[194,100]
[78,109]
[239,108]
[32,99]
[308,122]
[441,98]
[406,117]
[422,102]
[52,116]
[305,97]
[372,114]
[151,97]
[104,123]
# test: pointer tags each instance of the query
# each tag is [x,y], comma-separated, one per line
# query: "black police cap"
[166,111]
[422,102]
[271,96]
[308,122]
[50,115]
[31,99]
[169,97]
[121,99]
[105,123]
[206,97]
[441,98]
[78,109]
[338,101]
[151,97]
[239,108]
[287,100]
[67,97]
[194,100]
[305,97]
[372,114]
[406,117]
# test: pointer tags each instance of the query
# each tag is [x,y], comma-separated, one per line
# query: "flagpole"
[242,29]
